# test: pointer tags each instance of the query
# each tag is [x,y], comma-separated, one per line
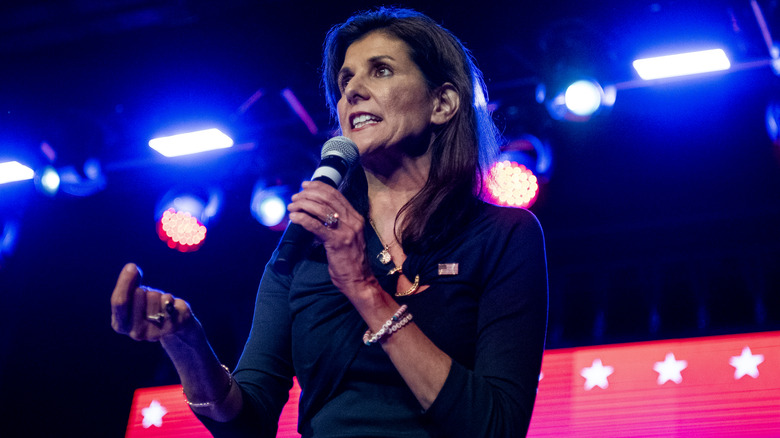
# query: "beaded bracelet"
[395,323]
[213,402]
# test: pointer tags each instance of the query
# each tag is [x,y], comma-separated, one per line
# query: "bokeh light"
[50,181]
[512,184]
[181,231]
[583,98]
[269,205]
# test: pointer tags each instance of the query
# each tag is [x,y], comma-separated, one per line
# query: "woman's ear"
[446,104]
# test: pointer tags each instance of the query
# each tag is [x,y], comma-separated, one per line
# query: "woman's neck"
[391,185]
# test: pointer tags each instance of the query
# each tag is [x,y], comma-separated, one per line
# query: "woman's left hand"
[326,213]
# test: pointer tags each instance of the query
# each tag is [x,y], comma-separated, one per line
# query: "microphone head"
[341,146]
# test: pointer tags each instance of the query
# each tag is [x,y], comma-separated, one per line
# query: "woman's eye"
[383,71]
[343,82]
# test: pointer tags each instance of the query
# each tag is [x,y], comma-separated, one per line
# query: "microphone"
[338,155]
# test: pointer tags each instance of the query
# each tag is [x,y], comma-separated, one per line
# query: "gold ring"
[158,318]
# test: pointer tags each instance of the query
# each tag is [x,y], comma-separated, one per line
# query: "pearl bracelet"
[395,323]
[213,402]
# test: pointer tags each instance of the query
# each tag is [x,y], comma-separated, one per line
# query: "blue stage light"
[50,181]
[682,64]
[272,211]
[11,171]
[191,142]
[82,183]
[578,101]
[269,205]
[583,98]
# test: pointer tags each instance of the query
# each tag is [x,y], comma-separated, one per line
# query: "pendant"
[384,256]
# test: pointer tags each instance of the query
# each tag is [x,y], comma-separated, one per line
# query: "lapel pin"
[448,269]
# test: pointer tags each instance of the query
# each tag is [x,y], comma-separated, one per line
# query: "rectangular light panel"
[191,142]
[682,64]
[15,171]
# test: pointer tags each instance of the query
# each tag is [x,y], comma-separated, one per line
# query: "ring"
[170,308]
[332,221]
[158,318]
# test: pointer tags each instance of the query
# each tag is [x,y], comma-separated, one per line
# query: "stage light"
[182,219]
[515,179]
[85,183]
[191,142]
[181,231]
[11,171]
[49,181]
[272,211]
[269,205]
[268,209]
[774,50]
[578,101]
[512,184]
[583,98]
[682,64]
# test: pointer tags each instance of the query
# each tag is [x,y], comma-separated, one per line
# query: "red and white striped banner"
[725,386]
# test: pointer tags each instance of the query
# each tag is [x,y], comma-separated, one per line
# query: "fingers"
[324,195]
[122,298]
[153,312]
[318,205]
[143,313]
[138,316]
[169,306]
[344,243]
[161,316]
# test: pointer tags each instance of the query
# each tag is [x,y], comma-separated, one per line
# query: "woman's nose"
[355,90]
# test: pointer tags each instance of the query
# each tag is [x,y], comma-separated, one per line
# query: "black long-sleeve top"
[490,318]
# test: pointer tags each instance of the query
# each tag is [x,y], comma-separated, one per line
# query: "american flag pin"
[448,269]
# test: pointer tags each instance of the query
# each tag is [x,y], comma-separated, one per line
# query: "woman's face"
[385,101]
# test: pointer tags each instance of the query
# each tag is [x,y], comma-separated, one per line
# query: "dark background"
[661,216]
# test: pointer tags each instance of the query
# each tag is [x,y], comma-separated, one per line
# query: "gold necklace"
[384,256]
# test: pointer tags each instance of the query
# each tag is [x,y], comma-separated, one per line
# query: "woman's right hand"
[147,314]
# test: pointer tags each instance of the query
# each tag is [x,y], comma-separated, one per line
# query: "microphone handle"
[295,241]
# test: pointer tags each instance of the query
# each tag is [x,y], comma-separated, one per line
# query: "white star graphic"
[670,369]
[596,375]
[153,414]
[746,364]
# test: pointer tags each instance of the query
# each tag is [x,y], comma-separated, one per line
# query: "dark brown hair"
[460,148]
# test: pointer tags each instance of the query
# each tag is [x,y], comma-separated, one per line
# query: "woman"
[448,293]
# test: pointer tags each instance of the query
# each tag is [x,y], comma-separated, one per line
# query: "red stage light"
[512,184]
[181,231]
